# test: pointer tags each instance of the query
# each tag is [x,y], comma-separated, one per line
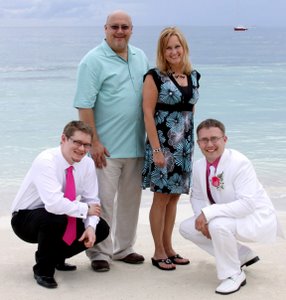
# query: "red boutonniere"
[217,181]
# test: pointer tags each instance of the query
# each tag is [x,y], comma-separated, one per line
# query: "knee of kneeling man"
[55,224]
[218,224]
[182,229]
[186,228]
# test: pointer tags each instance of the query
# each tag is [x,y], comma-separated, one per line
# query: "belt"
[174,107]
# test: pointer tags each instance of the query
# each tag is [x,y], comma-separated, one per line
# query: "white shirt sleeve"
[89,190]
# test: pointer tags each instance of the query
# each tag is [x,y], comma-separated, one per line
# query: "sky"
[144,12]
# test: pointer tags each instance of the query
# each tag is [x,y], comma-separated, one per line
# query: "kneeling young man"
[57,205]
[230,206]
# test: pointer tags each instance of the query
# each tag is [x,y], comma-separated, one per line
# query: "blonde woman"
[170,92]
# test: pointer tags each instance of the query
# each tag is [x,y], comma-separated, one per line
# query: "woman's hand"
[159,159]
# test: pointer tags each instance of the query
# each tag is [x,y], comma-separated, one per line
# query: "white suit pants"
[120,195]
[228,252]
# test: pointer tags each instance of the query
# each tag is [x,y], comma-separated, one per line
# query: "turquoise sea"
[243,84]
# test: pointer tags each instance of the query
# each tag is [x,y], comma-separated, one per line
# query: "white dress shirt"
[44,186]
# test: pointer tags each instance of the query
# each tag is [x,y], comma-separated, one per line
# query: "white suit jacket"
[241,196]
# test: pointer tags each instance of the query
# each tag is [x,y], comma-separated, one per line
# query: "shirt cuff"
[207,213]
[83,210]
[91,221]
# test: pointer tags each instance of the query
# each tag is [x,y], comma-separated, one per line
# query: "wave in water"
[26,69]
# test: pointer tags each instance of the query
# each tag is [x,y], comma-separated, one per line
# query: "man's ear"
[63,138]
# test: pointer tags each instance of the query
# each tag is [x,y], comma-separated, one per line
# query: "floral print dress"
[174,123]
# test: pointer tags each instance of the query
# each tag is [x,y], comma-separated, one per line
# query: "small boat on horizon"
[240,28]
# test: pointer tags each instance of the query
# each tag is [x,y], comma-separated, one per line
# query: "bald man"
[109,99]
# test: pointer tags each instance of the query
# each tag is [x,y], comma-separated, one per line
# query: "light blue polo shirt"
[113,88]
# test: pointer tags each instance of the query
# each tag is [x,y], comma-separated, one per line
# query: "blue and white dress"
[175,127]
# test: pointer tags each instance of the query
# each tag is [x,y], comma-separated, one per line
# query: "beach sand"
[265,279]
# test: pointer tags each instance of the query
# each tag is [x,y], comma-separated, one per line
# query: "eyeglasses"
[117,27]
[77,143]
[213,139]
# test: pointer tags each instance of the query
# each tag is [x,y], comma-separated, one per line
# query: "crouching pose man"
[57,205]
[230,206]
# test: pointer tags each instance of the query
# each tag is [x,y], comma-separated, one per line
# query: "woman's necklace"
[176,76]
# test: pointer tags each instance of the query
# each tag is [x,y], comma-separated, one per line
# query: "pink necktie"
[208,184]
[70,233]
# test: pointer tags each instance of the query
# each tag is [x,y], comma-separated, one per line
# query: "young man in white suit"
[230,205]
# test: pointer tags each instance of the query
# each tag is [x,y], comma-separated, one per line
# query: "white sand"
[265,279]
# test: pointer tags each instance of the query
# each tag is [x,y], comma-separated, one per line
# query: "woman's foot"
[177,259]
[163,264]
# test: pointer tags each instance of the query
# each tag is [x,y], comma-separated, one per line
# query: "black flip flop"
[167,261]
[177,256]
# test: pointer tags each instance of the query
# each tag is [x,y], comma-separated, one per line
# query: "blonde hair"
[161,62]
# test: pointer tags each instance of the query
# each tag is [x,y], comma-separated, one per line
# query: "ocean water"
[243,84]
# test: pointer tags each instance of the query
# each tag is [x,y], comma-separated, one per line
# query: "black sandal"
[178,256]
[167,261]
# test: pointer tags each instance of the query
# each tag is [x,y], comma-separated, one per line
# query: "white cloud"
[143,12]
[57,11]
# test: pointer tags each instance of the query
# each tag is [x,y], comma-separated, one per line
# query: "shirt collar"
[214,164]
[63,161]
